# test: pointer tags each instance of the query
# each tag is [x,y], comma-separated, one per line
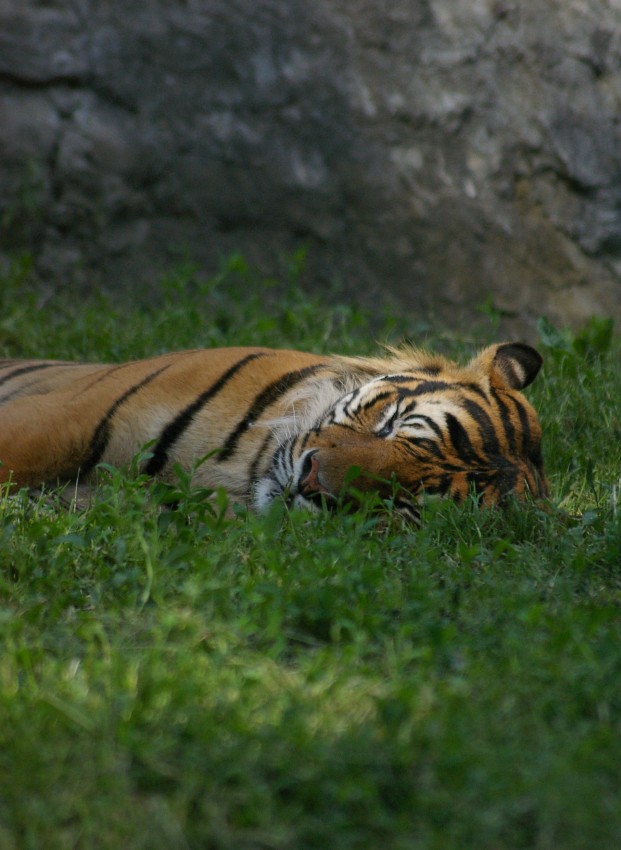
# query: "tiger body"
[264,423]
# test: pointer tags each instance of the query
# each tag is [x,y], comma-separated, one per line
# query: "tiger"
[266,424]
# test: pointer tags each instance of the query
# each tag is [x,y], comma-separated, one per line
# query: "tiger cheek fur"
[381,464]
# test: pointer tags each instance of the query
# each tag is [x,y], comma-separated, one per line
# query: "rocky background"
[450,152]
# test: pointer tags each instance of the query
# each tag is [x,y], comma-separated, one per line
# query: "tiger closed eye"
[388,427]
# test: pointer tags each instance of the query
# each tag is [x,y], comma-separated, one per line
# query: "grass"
[186,680]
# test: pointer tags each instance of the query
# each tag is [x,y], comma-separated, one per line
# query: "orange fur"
[279,422]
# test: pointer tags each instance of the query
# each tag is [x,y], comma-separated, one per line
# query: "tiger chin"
[269,424]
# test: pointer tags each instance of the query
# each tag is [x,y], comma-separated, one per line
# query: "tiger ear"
[510,364]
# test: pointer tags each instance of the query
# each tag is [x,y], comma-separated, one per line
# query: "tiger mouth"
[322,501]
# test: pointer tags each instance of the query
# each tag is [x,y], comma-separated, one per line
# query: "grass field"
[186,680]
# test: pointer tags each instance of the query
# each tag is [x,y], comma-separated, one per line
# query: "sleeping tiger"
[268,424]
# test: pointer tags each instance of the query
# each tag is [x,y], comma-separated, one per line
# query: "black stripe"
[415,375]
[374,401]
[304,438]
[182,421]
[429,421]
[22,390]
[526,432]
[400,379]
[460,440]
[535,456]
[505,418]
[358,414]
[502,479]
[252,474]
[442,484]
[428,387]
[106,371]
[353,396]
[406,408]
[434,386]
[416,445]
[101,377]
[23,370]
[266,397]
[475,388]
[101,435]
[486,426]
[346,426]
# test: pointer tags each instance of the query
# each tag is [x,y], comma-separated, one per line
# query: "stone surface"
[449,152]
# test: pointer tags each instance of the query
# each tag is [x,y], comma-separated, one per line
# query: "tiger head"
[424,427]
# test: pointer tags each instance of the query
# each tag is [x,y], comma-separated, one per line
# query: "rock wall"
[450,152]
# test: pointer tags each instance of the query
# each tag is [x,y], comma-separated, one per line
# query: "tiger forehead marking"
[395,397]
[416,409]
[267,424]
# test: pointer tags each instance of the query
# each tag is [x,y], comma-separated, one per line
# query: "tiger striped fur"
[274,423]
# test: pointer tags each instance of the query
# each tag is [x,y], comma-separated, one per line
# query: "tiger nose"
[309,482]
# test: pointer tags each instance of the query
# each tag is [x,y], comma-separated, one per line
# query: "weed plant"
[184,679]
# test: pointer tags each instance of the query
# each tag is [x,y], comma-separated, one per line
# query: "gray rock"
[445,152]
